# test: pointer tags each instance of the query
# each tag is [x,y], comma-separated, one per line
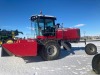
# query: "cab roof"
[34,17]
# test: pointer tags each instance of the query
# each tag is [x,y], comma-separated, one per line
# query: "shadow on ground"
[63,54]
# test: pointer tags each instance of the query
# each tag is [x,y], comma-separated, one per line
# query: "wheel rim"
[92,49]
[51,50]
[9,41]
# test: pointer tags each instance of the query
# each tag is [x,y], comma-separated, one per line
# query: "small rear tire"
[91,49]
[96,64]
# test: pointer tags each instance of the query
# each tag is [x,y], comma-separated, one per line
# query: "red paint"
[22,47]
[46,37]
[29,47]
[64,34]
[68,34]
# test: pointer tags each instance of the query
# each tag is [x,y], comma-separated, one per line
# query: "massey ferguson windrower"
[49,39]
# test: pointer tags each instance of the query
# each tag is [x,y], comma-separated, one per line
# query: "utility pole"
[84,37]
[84,33]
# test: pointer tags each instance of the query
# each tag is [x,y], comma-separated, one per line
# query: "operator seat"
[49,31]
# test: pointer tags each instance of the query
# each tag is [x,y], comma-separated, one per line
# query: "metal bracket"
[65,45]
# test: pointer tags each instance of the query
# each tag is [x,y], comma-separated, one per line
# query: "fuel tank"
[22,47]
[71,34]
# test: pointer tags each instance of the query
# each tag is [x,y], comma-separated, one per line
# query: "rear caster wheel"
[91,49]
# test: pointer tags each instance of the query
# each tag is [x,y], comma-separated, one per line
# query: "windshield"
[39,27]
[43,25]
[49,22]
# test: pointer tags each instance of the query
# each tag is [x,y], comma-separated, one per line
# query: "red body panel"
[70,34]
[46,37]
[22,47]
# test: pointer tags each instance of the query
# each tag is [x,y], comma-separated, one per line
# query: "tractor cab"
[44,25]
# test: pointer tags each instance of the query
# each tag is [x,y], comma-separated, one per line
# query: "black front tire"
[50,50]
[91,49]
[96,64]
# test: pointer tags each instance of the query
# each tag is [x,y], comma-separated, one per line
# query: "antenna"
[31,27]
[40,12]
[62,25]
